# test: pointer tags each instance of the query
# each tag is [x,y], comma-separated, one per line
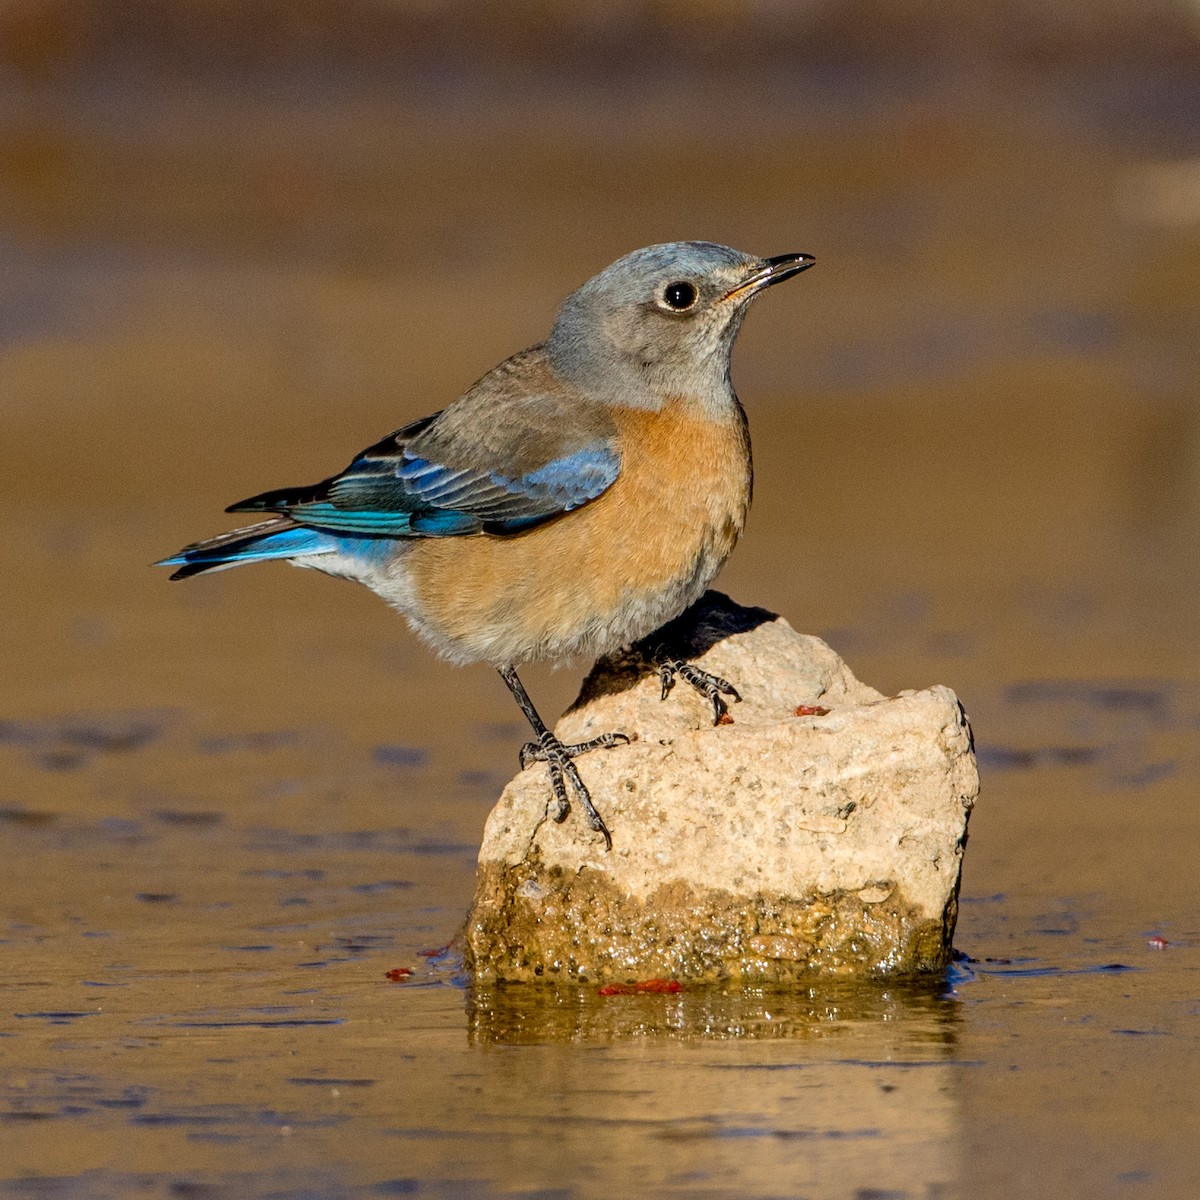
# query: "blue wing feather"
[444,524]
[401,494]
[500,459]
[556,487]
[575,478]
[323,515]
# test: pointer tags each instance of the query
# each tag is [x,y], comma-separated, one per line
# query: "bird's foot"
[563,773]
[712,687]
[533,752]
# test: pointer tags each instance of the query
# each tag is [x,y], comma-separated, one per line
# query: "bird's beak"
[772,270]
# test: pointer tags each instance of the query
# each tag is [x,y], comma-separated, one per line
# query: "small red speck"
[399,974]
[435,953]
[809,710]
[725,719]
[1157,943]
[658,985]
[669,986]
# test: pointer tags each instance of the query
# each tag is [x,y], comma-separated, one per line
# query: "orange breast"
[603,575]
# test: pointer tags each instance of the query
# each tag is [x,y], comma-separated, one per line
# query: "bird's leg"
[712,687]
[557,757]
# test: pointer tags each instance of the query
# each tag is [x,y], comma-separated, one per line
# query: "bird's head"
[661,321]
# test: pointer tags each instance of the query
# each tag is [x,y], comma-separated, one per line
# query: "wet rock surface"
[820,832]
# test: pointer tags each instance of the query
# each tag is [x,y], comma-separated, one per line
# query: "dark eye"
[679,296]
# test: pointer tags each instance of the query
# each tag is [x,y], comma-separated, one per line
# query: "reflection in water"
[516,1014]
[831,1092]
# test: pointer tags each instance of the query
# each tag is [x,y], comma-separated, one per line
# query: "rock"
[771,849]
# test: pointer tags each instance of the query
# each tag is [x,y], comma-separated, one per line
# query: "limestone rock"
[767,850]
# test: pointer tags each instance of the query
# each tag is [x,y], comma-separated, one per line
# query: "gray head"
[661,321]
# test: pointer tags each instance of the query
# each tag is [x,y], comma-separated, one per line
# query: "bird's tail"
[276,538]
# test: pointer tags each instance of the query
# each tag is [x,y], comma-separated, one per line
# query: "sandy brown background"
[237,245]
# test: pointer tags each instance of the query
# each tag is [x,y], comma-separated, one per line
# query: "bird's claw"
[712,687]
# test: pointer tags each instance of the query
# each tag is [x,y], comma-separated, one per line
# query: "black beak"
[774,270]
[784,266]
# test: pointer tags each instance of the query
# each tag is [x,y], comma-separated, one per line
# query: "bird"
[575,499]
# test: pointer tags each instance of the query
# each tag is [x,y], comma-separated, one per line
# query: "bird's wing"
[498,461]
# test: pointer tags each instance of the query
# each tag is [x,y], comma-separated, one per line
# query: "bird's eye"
[679,296]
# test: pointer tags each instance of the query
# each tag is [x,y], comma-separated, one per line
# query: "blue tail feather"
[256,543]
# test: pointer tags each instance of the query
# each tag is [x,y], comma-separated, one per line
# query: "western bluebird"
[579,496]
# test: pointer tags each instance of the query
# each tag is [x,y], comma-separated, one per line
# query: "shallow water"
[230,808]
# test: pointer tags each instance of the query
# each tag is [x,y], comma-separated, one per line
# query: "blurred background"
[240,242]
